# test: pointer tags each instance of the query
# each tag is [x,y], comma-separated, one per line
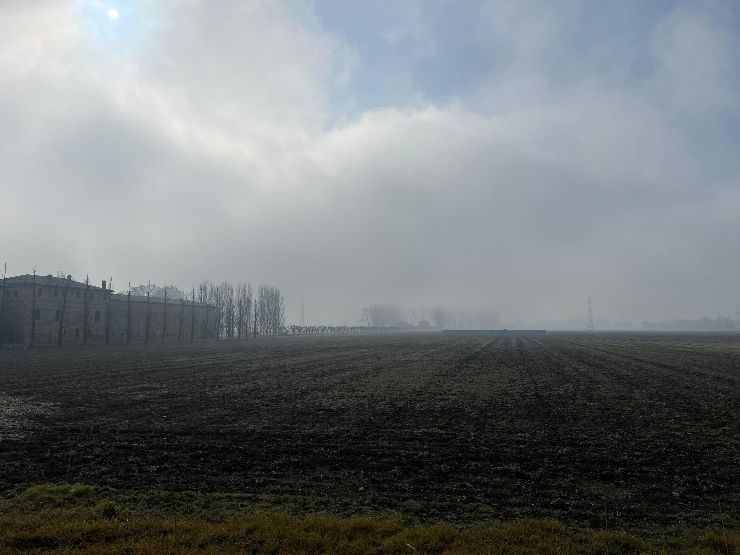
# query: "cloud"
[213,143]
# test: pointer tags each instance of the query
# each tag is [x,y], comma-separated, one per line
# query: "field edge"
[85,519]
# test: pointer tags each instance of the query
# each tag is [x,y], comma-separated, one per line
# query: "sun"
[113,13]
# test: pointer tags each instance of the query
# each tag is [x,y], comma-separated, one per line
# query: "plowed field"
[608,431]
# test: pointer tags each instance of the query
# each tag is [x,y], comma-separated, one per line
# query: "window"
[41,292]
[97,316]
[15,294]
[58,315]
[78,294]
[77,332]
[56,292]
[37,315]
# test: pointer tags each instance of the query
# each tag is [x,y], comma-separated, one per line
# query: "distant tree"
[244,309]
[164,319]
[192,317]
[173,292]
[216,300]
[229,309]
[271,310]
[383,315]
[203,298]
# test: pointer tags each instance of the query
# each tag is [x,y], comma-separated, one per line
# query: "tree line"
[439,317]
[240,312]
[237,310]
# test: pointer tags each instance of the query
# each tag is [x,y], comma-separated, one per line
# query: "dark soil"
[608,431]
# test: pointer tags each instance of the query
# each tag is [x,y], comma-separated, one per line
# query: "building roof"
[48,281]
[52,281]
[123,297]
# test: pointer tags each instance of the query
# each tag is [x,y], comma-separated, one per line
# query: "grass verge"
[83,519]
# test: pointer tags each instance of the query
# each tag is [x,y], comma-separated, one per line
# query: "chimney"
[103,287]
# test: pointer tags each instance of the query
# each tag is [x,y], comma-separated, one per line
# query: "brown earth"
[607,431]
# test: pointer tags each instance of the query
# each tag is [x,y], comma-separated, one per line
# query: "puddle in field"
[17,415]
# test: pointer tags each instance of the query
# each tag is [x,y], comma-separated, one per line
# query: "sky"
[516,155]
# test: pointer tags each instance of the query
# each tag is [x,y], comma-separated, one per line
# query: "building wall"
[17,322]
[175,311]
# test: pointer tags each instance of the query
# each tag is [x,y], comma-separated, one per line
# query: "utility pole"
[182,315]
[109,292]
[192,318]
[148,313]
[63,309]
[33,310]
[208,313]
[164,322]
[2,302]
[128,311]
[86,315]
[590,317]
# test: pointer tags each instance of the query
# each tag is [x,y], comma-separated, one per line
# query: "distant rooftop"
[49,281]
[152,299]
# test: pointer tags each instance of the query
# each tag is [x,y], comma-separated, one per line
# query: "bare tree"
[271,310]
[229,309]
[2,302]
[204,289]
[244,309]
[365,317]
[192,317]
[216,301]
[383,315]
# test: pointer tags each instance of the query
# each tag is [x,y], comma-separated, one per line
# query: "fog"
[503,156]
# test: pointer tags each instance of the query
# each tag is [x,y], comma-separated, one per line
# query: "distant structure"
[590,317]
[494,332]
[58,310]
[303,315]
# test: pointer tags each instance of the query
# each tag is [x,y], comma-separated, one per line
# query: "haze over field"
[513,155]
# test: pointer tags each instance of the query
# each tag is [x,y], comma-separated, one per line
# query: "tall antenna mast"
[590,317]
[303,315]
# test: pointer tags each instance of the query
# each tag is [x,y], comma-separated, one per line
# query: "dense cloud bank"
[553,153]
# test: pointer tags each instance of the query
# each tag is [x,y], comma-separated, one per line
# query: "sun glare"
[113,13]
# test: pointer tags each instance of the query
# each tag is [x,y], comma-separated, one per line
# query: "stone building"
[37,309]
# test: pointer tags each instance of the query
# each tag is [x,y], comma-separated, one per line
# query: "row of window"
[40,293]
[58,315]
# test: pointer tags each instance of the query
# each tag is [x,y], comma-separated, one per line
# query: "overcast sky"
[520,155]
